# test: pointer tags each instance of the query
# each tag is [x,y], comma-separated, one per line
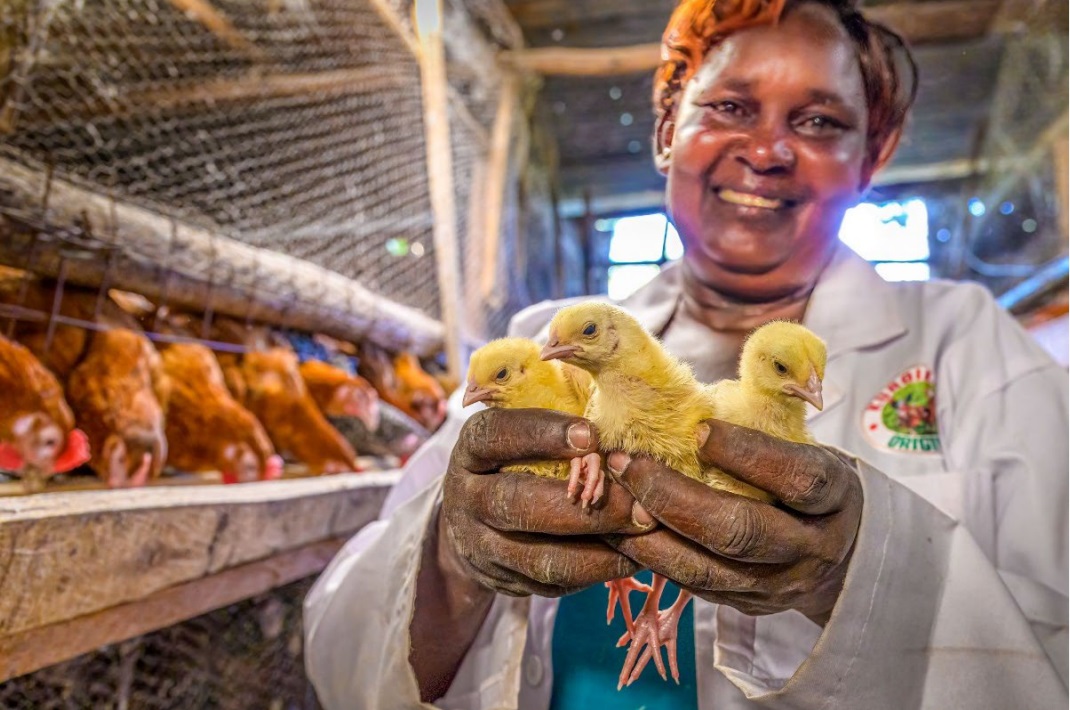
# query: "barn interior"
[380,185]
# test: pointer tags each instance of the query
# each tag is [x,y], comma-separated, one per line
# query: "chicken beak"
[554,350]
[475,393]
[811,393]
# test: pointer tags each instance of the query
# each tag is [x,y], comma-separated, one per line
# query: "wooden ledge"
[70,554]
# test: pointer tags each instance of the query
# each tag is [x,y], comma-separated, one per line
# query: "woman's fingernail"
[703,434]
[579,436]
[618,461]
[640,518]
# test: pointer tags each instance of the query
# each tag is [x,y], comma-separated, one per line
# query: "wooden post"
[586,239]
[435,87]
[474,333]
[1059,153]
[494,187]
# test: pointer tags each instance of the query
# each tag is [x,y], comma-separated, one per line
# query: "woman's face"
[767,153]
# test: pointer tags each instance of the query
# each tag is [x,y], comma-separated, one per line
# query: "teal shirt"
[587,662]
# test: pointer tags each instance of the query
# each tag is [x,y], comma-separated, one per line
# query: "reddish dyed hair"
[889,74]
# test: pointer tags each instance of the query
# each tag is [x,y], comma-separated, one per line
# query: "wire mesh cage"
[247,655]
[1015,218]
[294,127]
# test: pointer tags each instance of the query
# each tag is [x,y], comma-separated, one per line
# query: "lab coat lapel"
[851,308]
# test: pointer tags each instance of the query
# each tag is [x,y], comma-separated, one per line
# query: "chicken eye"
[591,329]
[780,367]
[502,374]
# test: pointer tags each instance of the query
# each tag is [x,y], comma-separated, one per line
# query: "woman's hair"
[889,73]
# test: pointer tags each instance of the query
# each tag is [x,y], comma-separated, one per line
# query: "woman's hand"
[517,533]
[756,557]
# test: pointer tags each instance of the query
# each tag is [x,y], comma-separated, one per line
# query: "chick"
[509,373]
[648,402]
[781,368]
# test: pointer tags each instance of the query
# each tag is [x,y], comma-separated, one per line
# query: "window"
[894,236]
[637,248]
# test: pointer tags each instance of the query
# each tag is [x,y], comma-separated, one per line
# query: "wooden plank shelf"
[85,568]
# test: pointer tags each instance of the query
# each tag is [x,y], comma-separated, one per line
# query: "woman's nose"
[767,150]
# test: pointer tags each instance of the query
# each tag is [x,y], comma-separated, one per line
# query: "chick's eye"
[780,367]
[590,329]
[502,374]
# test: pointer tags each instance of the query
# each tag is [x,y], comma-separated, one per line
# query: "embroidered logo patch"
[902,418]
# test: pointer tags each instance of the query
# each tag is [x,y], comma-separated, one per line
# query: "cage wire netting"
[247,655]
[294,126]
[1012,221]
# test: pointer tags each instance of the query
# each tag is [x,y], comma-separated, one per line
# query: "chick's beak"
[474,393]
[810,393]
[554,350]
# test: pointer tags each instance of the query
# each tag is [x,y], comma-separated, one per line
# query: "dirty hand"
[754,556]
[517,533]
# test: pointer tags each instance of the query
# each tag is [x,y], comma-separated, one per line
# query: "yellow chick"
[645,401]
[780,369]
[648,402]
[509,373]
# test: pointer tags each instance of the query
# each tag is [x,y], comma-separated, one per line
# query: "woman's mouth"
[746,199]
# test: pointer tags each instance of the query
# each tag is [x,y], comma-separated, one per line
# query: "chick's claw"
[589,470]
[618,592]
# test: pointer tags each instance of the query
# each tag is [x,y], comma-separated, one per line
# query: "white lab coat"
[956,595]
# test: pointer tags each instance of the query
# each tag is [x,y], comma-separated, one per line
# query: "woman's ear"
[664,132]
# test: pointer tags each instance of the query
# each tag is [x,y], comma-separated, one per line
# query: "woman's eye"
[819,125]
[590,329]
[727,107]
[780,367]
[502,374]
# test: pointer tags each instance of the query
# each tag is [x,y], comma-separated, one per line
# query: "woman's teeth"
[746,200]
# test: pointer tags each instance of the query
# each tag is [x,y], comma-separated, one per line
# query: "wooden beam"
[29,651]
[340,82]
[401,31]
[254,87]
[566,61]
[65,555]
[435,86]
[206,15]
[158,257]
[918,22]
[495,186]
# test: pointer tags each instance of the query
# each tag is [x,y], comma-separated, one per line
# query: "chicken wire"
[247,655]
[294,126]
[1012,221]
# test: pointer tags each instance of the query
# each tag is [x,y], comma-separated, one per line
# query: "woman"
[929,572]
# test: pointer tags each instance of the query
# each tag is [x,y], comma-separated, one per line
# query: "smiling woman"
[851,586]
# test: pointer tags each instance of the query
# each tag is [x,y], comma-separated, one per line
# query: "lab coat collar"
[851,306]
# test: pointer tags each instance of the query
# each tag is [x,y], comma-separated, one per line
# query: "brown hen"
[117,393]
[37,434]
[275,392]
[207,428]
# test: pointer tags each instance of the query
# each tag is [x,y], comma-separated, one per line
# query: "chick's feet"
[653,629]
[618,592]
[587,469]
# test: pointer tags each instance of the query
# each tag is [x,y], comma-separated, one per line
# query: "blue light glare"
[640,239]
[976,207]
[1006,208]
[892,231]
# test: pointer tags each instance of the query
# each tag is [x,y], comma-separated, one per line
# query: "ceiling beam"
[945,21]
